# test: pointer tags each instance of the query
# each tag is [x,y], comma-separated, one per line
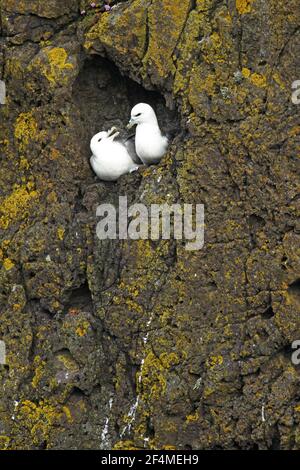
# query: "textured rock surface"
[216,371]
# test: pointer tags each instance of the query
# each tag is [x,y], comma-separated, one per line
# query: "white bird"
[110,158]
[150,144]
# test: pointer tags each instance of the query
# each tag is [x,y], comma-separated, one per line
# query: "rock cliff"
[143,344]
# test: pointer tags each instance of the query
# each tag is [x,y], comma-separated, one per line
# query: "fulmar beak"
[112,131]
[112,137]
[130,124]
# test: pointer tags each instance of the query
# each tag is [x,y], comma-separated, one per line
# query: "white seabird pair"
[112,159]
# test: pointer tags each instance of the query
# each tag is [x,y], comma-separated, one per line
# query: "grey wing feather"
[130,145]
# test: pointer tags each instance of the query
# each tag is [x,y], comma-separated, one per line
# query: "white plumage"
[110,158]
[150,144]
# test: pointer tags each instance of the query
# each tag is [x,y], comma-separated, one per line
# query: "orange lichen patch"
[243,6]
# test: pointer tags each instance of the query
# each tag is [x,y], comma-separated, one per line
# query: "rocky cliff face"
[143,344]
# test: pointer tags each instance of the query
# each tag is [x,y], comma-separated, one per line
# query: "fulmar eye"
[100,139]
[137,115]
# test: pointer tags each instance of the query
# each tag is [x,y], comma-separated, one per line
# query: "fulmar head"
[100,136]
[97,140]
[142,113]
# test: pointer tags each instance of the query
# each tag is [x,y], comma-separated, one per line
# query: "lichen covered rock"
[140,343]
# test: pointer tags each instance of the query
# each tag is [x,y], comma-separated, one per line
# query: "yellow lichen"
[58,63]
[17,307]
[243,6]
[68,362]
[246,72]
[130,30]
[4,442]
[214,361]
[257,79]
[279,80]
[125,445]
[14,206]
[8,264]
[192,418]
[39,365]
[39,419]
[24,164]
[54,154]
[61,233]
[153,376]
[164,32]
[82,328]
[25,129]
[68,414]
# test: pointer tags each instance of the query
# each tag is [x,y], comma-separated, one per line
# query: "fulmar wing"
[130,145]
